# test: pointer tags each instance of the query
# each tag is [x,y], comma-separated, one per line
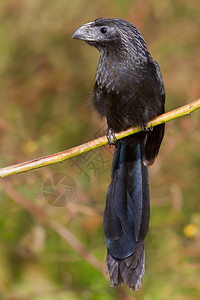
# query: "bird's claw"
[111,134]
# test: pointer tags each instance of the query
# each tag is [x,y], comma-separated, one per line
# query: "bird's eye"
[103,30]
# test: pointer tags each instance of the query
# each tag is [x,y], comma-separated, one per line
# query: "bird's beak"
[84,32]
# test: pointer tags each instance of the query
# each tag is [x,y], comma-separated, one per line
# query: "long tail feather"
[126,217]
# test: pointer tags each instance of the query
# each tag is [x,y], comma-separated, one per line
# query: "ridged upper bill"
[84,32]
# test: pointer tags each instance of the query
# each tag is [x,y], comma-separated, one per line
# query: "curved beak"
[84,32]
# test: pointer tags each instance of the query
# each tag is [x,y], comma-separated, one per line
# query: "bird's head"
[111,34]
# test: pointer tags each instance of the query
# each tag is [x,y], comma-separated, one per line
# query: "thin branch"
[43,217]
[101,141]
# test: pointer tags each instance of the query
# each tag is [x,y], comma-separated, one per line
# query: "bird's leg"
[109,134]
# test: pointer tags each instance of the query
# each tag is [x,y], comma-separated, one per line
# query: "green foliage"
[46,78]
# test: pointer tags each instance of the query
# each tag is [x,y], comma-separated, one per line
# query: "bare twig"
[65,233]
[61,156]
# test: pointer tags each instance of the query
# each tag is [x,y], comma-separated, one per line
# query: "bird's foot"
[111,134]
[144,128]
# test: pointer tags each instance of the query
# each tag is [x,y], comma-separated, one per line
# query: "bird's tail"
[126,217]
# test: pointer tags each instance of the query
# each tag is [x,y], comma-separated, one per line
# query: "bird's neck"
[114,71]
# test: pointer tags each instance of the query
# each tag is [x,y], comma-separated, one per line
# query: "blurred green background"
[51,252]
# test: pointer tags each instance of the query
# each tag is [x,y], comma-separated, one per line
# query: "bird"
[128,92]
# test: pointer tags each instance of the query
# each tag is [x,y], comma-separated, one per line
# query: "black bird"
[128,91]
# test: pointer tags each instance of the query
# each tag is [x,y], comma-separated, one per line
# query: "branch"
[101,141]
[43,217]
